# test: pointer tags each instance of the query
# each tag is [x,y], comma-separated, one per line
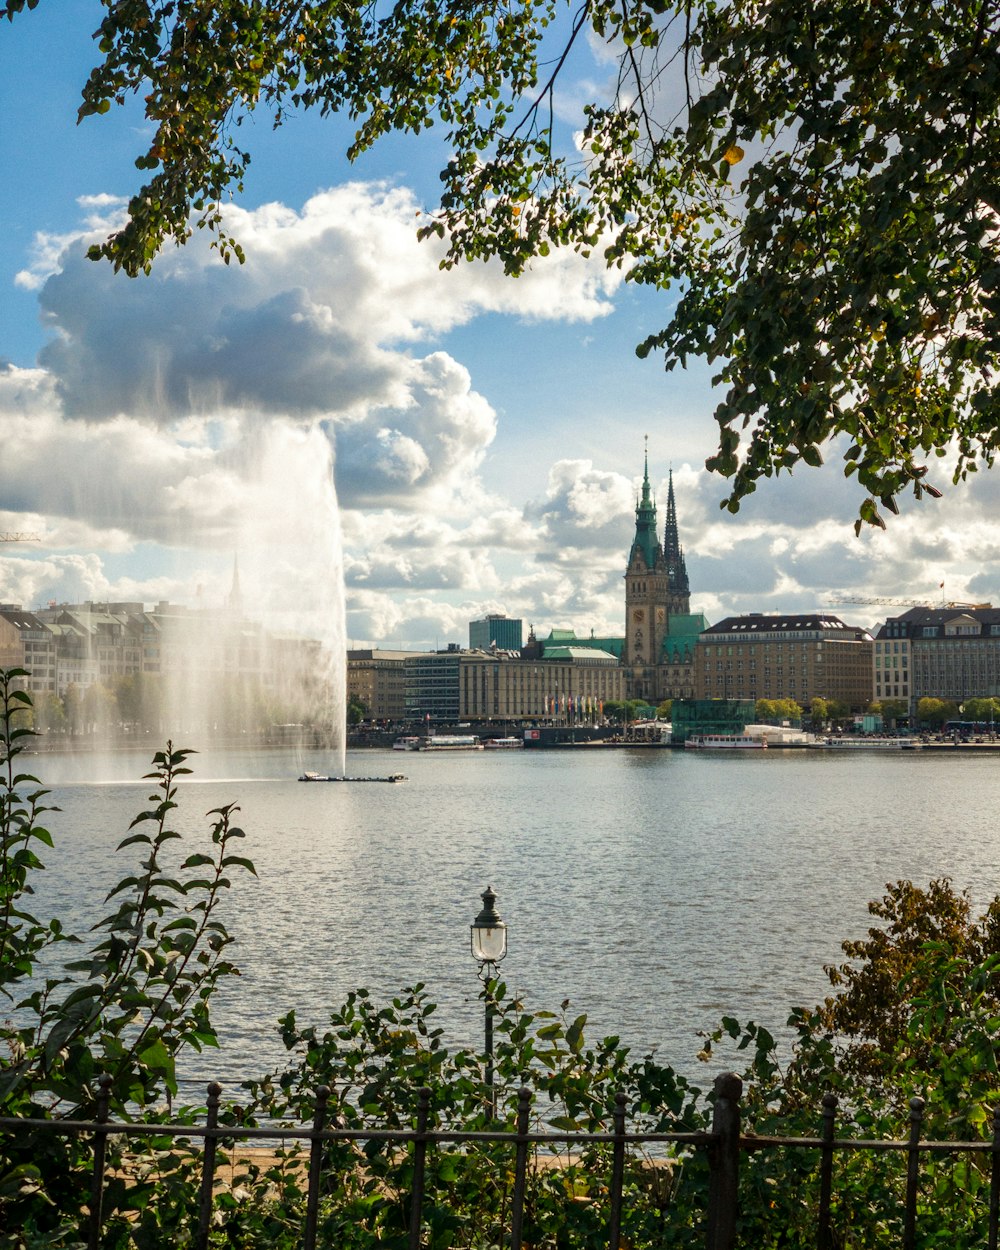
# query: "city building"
[951,652]
[568,685]
[710,716]
[800,657]
[95,643]
[178,669]
[504,632]
[661,633]
[26,642]
[378,679]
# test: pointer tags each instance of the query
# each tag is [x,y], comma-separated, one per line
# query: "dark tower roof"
[672,548]
[646,539]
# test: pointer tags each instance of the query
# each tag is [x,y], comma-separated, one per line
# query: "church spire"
[646,539]
[672,548]
[235,601]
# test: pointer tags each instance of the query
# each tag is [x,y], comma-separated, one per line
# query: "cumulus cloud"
[426,448]
[311,327]
[584,507]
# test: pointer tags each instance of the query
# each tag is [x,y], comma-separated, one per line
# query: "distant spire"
[235,601]
[645,519]
[672,548]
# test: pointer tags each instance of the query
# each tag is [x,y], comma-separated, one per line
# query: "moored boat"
[865,744]
[410,743]
[503,744]
[725,742]
[450,742]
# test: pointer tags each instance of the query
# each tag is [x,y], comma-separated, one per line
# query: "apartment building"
[951,652]
[567,684]
[800,657]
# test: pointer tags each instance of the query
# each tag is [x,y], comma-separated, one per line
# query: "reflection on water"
[656,890]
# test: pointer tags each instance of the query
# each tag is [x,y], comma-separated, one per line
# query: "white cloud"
[584,507]
[313,326]
[425,450]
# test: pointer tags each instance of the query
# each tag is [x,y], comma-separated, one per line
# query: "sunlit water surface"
[655,889]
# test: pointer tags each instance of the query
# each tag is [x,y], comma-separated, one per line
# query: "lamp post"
[489,946]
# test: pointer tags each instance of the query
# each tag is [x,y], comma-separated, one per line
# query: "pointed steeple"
[646,538]
[235,600]
[672,548]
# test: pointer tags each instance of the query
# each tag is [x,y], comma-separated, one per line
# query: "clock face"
[638,615]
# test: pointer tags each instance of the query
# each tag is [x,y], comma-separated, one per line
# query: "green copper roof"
[562,639]
[615,646]
[683,635]
[646,540]
[577,652]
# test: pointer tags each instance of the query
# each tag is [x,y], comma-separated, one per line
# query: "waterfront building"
[95,643]
[950,652]
[567,685]
[729,717]
[26,642]
[675,676]
[496,630]
[891,664]
[180,658]
[661,632]
[798,657]
[378,679]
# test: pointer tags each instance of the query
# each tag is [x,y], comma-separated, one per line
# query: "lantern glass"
[489,945]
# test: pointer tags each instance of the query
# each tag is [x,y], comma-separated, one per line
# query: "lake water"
[656,890]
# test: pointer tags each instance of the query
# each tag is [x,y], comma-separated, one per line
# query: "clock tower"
[656,587]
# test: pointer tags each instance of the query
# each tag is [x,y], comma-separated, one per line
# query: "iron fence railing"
[723,1147]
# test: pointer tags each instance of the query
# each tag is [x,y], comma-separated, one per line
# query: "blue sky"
[488,433]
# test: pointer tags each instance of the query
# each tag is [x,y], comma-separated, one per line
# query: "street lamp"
[489,946]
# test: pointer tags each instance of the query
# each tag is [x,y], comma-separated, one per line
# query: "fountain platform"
[393,777]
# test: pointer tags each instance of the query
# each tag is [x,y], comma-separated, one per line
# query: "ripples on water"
[655,889]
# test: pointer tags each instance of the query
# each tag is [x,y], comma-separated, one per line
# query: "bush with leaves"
[923,930]
[136,998]
[375,1058]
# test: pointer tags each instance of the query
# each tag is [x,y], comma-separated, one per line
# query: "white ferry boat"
[450,742]
[725,742]
[407,744]
[503,744]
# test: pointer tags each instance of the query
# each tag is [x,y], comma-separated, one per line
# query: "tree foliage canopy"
[819,183]
[919,931]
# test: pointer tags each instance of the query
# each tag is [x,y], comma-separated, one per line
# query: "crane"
[18,536]
[840,600]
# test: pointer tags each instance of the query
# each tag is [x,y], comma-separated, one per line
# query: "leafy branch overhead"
[818,182]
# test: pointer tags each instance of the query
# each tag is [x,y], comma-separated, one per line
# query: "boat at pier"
[410,743]
[450,742]
[503,744]
[725,742]
[865,744]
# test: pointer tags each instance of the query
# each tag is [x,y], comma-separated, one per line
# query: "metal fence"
[723,1147]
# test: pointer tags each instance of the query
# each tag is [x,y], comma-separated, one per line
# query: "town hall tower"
[656,590]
